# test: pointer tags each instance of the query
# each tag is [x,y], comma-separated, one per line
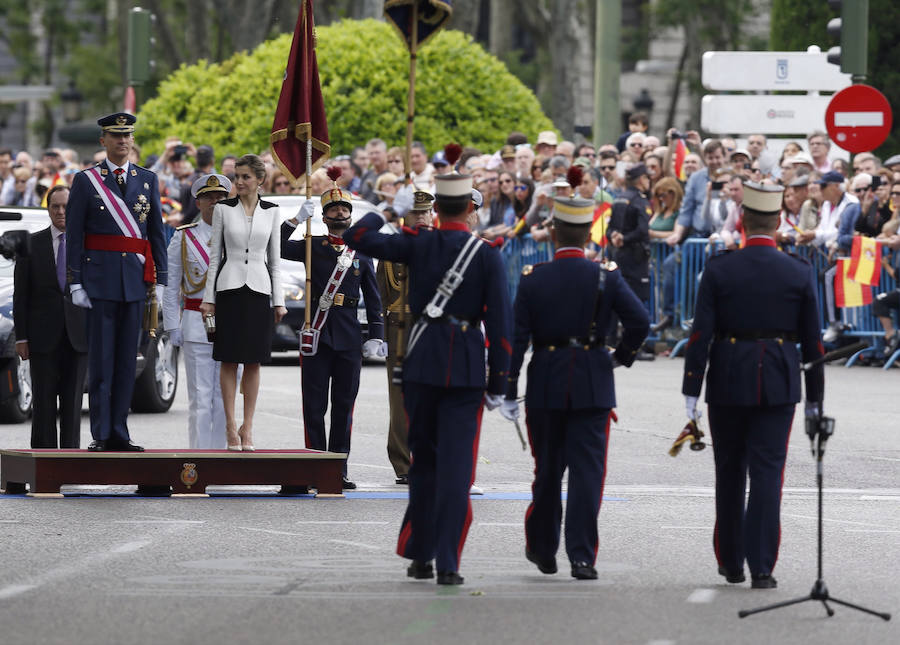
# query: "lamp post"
[71,103]
[643,102]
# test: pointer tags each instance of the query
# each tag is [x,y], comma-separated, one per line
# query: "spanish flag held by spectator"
[848,292]
[601,220]
[865,260]
[58,180]
[678,158]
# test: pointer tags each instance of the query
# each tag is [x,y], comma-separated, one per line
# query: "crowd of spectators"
[695,188]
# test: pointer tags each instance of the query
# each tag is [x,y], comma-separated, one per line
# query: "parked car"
[156,376]
[293,274]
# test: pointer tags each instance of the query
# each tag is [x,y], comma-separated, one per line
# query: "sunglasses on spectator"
[524,187]
[613,167]
[506,181]
[755,169]
[747,166]
[861,189]
[895,194]
[636,145]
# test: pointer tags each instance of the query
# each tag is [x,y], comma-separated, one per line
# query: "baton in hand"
[521,436]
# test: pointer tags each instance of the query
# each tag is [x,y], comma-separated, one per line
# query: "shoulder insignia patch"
[527,269]
[184,226]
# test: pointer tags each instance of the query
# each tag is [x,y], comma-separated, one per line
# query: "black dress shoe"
[583,571]
[763,581]
[97,445]
[449,578]
[402,479]
[664,323]
[733,577]
[294,490]
[126,446]
[420,570]
[346,484]
[544,565]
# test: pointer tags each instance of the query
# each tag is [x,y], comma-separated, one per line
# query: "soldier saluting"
[115,252]
[562,309]
[456,280]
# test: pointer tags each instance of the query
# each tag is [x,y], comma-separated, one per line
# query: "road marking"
[10,521]
[15,590]
[271,531]
[826,519]
[872,531]
[337,522]
[702,595]
[129,547]
[159,522]
[879,498]
[885,458]
[359,544]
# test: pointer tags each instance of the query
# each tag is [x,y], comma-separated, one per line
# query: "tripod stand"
[819,429]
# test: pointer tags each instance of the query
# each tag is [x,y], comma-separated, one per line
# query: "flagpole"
[308,237]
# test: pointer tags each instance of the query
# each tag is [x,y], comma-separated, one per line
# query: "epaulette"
[498,242]
[264,204]
[231,201]
[410,231]
[184,226]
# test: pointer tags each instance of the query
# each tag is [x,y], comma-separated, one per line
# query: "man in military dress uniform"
[337,360]
[628,232]
[115,252]
[394,290]
[188,266]
[562,309]
[455,281]
[753,307]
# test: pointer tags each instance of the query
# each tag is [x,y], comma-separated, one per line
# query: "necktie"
[120,179]
[61,262]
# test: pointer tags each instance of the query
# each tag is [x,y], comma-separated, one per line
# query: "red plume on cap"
[452,152]
[335,172]
[574,176]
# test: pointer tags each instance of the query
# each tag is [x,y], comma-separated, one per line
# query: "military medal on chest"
[142,207]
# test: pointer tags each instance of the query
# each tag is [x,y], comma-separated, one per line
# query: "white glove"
[371,347]
[80,297]
[813,409]
[690,406]
[176,337]
[382,350]
[493,401]
[306,211]
[403,200]
[510,409]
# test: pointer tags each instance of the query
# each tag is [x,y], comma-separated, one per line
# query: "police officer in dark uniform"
[115,252]
[562,308]
[444,371]
[337,360]
[628,232]
[753,307]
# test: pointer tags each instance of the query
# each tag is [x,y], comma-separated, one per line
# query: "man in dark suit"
[50,332]
[338,276]
[562,309]
[444,388]
[115,251]
[753,307]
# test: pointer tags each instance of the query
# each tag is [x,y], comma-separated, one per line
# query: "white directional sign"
[763,114]
[755,71]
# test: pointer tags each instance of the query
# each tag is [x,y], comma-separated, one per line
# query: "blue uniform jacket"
[557,301]
[448,355]
[341,331]
[112,275]
[755,289]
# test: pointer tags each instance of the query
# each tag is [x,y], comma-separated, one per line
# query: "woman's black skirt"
[244,325]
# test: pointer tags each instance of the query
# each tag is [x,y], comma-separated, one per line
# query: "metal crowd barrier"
[691,257]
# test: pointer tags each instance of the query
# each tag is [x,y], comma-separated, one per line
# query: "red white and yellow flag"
[865,260]
[848,292]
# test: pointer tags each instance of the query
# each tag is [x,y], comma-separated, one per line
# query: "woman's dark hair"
[522,205]
[256,165]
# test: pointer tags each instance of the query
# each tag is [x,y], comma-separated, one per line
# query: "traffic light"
[852,31]
[140,46]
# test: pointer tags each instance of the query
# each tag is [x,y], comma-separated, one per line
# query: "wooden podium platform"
[188,472]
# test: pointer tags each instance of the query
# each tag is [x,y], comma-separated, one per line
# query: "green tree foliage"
[796,24]
[462,94]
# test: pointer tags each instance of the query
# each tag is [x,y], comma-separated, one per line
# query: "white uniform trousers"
[206,415]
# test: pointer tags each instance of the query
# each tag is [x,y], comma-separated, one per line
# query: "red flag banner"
[300,114]
[678,159]
[865,260]
[847,292]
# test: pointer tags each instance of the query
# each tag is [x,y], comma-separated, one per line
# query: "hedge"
[463,94]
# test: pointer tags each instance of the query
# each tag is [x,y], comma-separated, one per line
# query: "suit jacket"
[342,329]
[42,313]
[756,289]
[448,355]
[560,300]
[111,275]
[245,254]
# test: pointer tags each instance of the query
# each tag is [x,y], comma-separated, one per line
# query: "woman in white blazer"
[245,295]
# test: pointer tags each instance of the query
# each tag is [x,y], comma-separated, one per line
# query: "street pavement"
[245,566]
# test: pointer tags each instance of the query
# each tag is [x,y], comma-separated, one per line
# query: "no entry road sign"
[858,118]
